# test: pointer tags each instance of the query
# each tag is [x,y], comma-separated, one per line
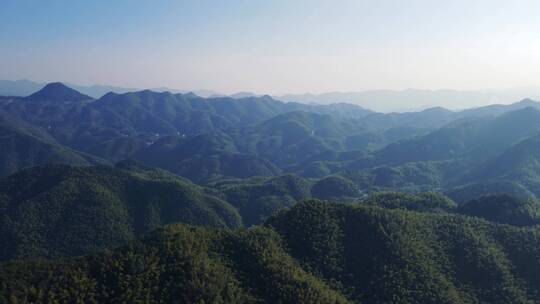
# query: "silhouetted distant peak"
[217,96]
[109,95]
[57,91]
[190,95]
[437,110]
[242,95]
[150,93]
[527,102]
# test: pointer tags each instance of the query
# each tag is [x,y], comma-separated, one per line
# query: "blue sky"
[273,46]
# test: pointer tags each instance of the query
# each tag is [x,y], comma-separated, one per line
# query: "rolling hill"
[24,146]
[55,211]
[315,252]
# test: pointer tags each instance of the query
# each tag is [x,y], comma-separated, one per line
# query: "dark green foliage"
[118,149]
[376,255]
[411,176]
[23,146]
[179,264]
[467,192]
[519,164]
[257,198]
[318,243]
[203,158]
[60,210]
[425,202]
[334,186]
[503,208]
[316,252]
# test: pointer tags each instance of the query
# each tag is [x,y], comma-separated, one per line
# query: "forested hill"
[314,253]
[60,210]
[23,145]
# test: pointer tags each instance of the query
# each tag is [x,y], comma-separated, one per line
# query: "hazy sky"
[274,47]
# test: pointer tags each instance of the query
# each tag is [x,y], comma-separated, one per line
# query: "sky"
[273,46]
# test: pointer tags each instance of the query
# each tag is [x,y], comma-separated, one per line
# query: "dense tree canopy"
[316,252]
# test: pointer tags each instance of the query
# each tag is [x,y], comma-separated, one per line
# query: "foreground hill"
[179,264]
[389,256]
[60,210]
[314,253]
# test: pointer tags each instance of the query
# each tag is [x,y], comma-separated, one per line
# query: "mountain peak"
[57,91]
[190,95]
[526,102]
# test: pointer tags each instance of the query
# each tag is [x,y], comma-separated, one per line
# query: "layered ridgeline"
[55,210]
[313,253]
[60,210]
[154,127]
[131,120]
[207,139]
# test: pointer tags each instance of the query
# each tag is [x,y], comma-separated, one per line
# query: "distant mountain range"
[376,100]
[26,87]
[414,100]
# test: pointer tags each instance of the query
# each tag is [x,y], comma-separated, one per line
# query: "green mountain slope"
[476,139]
[23,146]
[179,264]
[503,208]
[61,210]
[293,137]
[314,253]
[519,164]
[202,158]
[470,191]
[394,256]
[258,198]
